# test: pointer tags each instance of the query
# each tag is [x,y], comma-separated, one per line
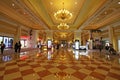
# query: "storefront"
[24,41]
[1,39]
[8,41]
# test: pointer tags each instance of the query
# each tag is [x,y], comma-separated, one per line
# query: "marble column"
[112,37]
[77,36]
[34,38]
[17,35]
[90,40]
[49,35]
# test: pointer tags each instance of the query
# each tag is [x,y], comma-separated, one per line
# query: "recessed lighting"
[75,2]
[105,12]
[13,4]
[119,2]
[51,3]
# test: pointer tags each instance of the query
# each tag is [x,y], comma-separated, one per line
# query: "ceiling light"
[105,12]
[63,14]
[75,2]
[63,26]
[119,2]
[51,3]
[13,4]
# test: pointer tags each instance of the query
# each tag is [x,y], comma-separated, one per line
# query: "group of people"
[17,47]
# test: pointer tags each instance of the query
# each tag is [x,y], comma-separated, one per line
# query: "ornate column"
[112,37]
[49,35]
[77,36]
[33,38]
[17,35]
[90,40]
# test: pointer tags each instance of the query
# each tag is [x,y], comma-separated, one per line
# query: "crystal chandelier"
[63,26]
[63,14]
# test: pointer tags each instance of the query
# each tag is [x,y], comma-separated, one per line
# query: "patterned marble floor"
[62,64]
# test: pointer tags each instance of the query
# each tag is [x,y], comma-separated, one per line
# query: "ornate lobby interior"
[61,39]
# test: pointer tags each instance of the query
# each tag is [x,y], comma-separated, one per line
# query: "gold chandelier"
[63,14]
[63,26]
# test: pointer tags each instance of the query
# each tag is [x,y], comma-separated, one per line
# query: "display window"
[23,43]
[5,41]
[10,42]
[1,39]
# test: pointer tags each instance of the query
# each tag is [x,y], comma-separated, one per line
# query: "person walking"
[19,46]
[16,47]
[2,47]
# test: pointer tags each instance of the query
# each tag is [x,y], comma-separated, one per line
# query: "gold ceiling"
[39,14]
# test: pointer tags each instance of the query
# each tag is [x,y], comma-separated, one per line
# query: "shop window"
[5,41]
[10,42]
[1,39]
[23,43]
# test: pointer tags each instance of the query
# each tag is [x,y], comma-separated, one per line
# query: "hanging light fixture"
[63,14]
[63,26]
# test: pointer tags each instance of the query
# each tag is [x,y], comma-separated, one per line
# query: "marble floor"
[61,64]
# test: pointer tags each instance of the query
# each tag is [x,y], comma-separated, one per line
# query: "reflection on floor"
[62,64]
